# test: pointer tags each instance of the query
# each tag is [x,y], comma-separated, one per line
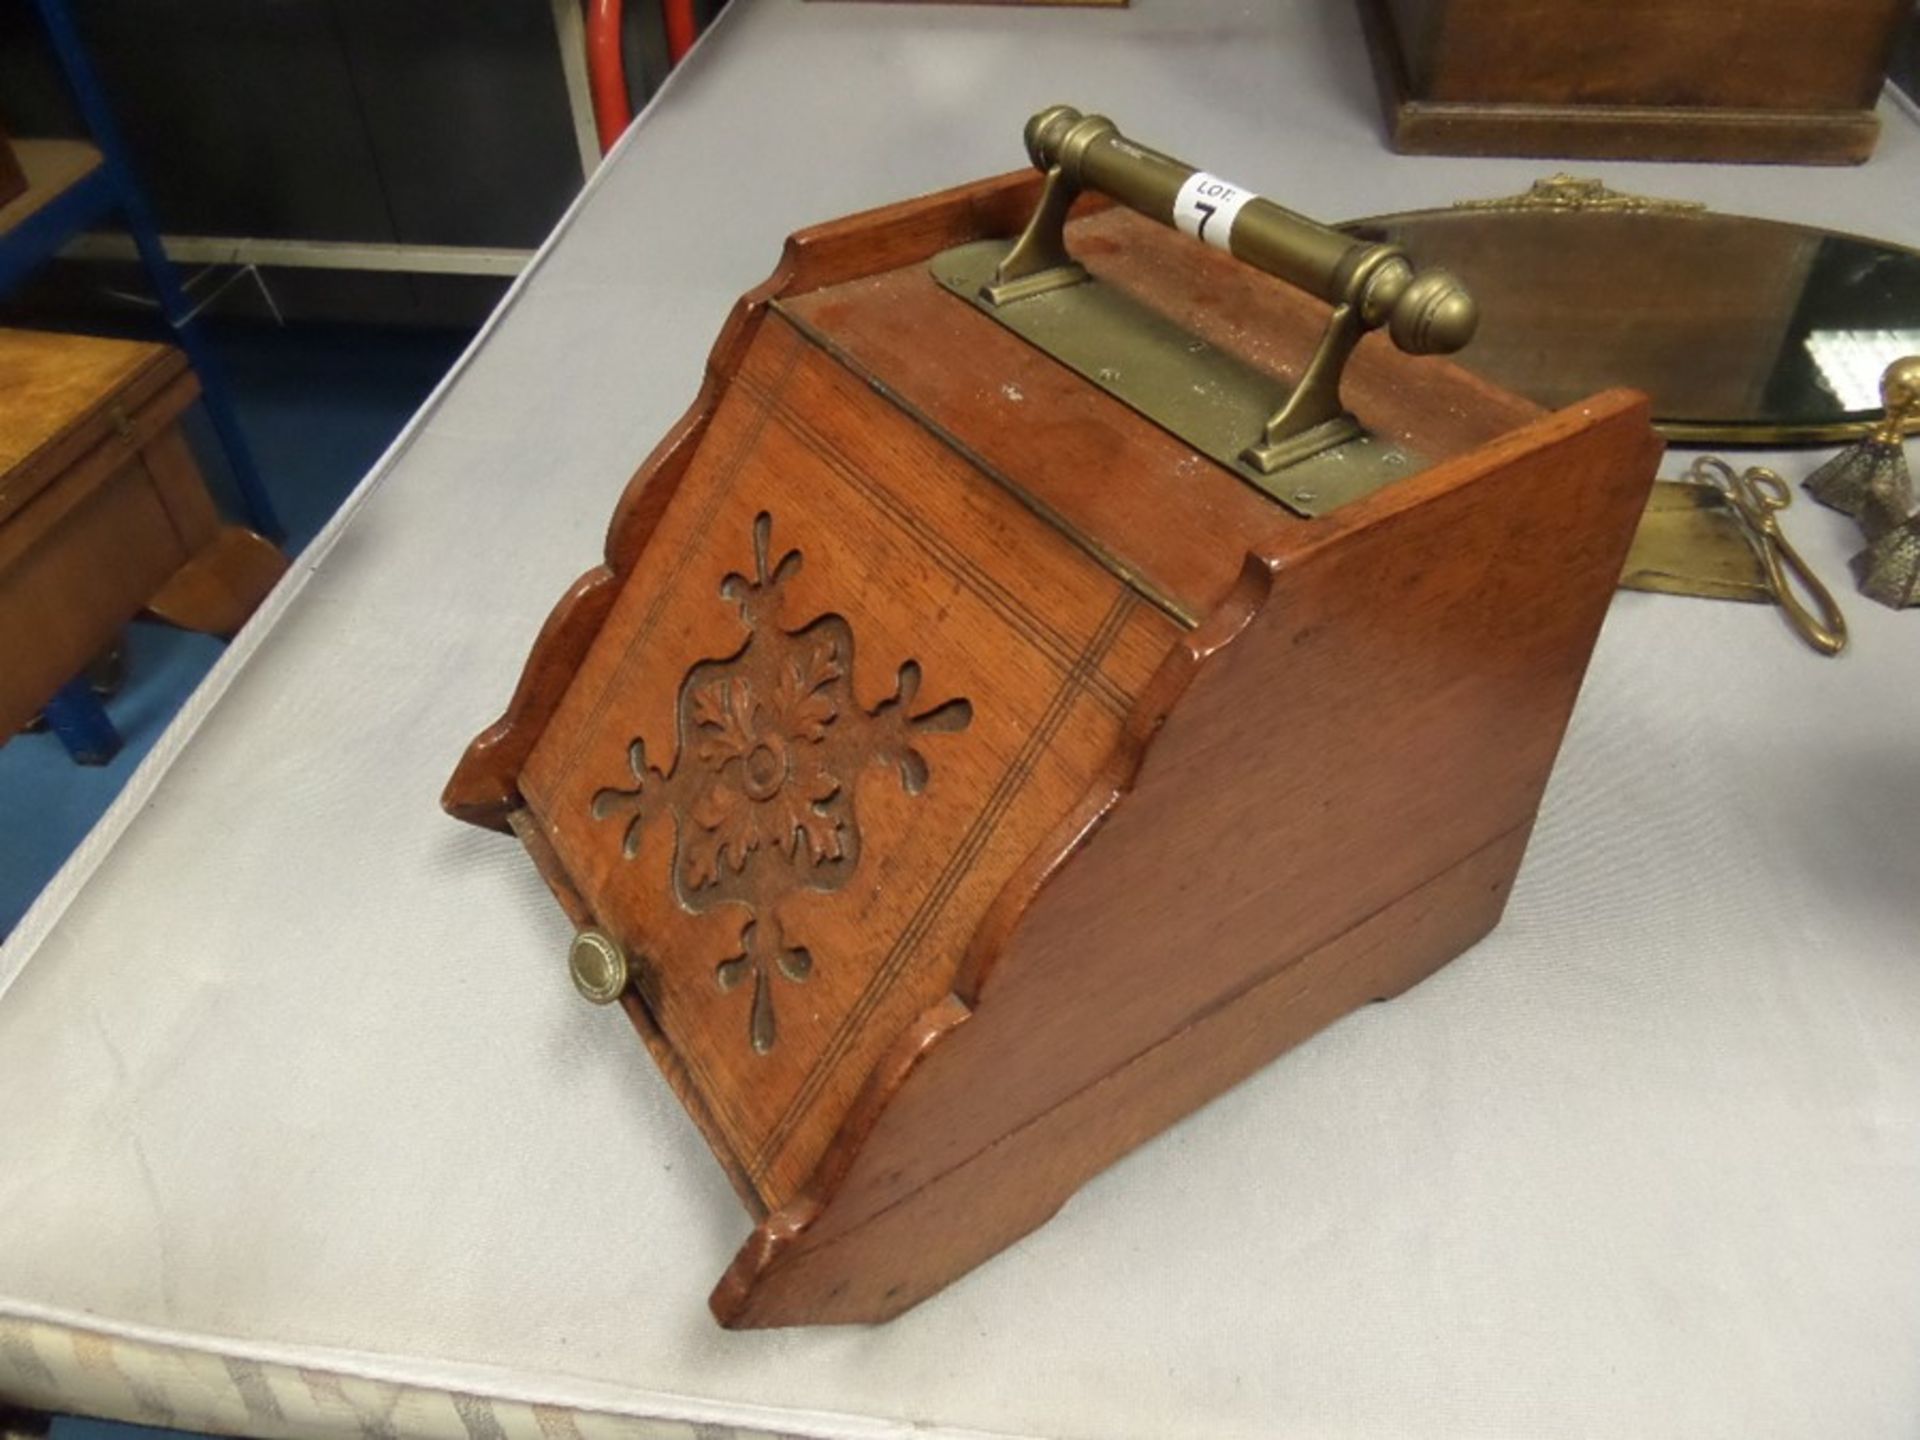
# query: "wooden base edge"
[1632,132]
[911,1250]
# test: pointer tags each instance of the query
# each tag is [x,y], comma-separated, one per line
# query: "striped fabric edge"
[58,1368]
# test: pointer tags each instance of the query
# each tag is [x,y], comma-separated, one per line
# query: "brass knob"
[1900,395]
[1434,315]
[598,966]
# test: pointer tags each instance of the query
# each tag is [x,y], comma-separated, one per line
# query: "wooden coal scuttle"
[1057,664]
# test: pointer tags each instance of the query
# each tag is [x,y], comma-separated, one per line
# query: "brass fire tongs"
[1715,533]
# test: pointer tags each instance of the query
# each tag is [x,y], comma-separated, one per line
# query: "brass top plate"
[1212,400]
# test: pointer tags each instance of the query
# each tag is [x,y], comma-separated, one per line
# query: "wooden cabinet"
[1791,81]
[103,512]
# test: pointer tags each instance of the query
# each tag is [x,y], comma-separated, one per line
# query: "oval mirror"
[1744,331]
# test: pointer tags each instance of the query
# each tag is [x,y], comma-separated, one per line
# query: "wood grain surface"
[484,787]
[1645,80]
[103,512]
[1381,707]
[1793,54]
[1181,525]
[873,1268]
[914,560]
[59,396]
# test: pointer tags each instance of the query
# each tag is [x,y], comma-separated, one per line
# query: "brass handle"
[1428,313]
[1368,285]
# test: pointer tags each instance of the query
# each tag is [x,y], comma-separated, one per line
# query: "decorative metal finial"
[1900,395]
[1869,480]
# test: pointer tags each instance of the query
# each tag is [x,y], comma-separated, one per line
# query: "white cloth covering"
[290,1069]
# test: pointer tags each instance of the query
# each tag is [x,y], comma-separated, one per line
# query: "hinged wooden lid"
[62,395]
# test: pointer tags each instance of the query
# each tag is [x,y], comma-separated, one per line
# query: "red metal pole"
[681,29]
[607,71]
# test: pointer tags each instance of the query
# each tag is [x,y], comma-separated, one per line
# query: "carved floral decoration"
[761,794]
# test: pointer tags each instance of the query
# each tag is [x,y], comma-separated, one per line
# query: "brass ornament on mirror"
[1563,192]
[1869,481]
[1715,533]
[1742,330]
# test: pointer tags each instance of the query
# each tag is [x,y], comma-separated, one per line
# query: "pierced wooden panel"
[850,685]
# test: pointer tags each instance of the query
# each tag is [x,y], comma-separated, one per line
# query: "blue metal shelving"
[91,198]
[106,190]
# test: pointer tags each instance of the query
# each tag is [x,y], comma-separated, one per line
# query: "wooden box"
[971,777]
[103,512]
[1791,81]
